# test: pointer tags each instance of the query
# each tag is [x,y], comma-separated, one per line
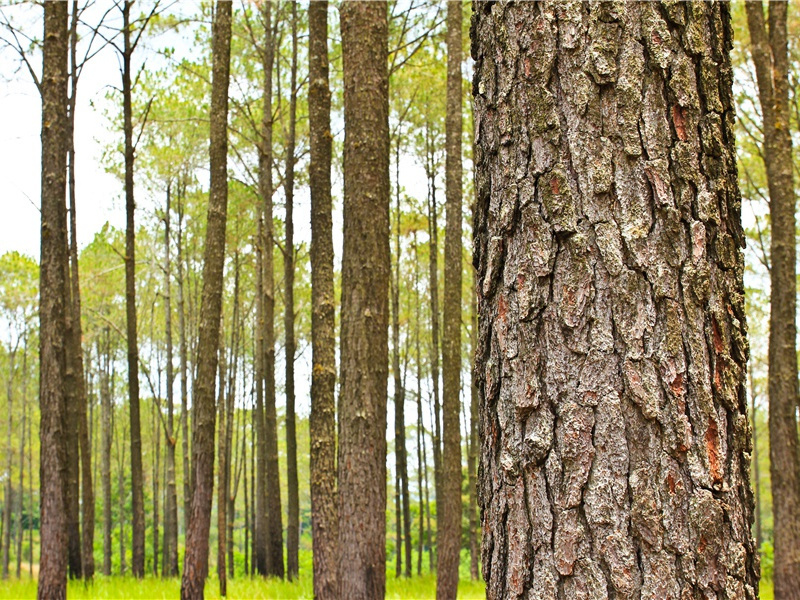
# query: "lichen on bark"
[612,344]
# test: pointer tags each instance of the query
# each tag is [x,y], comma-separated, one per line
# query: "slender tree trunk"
[756,470]
[105,411]
[156,474]
[52,294]
[612,348]
[293,525]
[769,48]
[196,557]
[260,487]
[227,497]
[170,563]
[183,351]
[274,528]
[420,427]
[123,564]
[472,459]
[8,495]
[449,539]
[222,469]
[322,422]
[75,353]
[365,289]
[25,426]
[433,235]
[137,482]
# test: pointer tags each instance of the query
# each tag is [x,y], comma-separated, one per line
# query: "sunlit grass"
[152,588]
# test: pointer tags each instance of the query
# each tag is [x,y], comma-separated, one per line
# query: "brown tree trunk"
[769,48]
[449,538]
[472,458]
[183,351]
[8,494]
[293,522]
[612,347]
[365,290]
[433,236]
[52,294]
[222,469]
[121,435]
[322,421]
[137,482]
[420,428]
[195,567]
[156,474]
[105,414]
[272,534]
[169,566]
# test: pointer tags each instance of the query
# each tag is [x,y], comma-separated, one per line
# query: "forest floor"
[152,588]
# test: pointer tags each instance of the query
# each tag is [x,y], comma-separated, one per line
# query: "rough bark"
[322,421]
[449,504]
[769,49]
[52,287]
[612,344]
[137,482]
[365,295]
[195,567]
[293,521]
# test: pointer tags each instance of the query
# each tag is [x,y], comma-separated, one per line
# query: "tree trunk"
[52,294]
[756,470]
[293,525]
[8,494]
[222,469]
[123,565]
[365,289]
[196,558]
[156,472]
[273,534]
[770,56]
[433,235]
[25,426]
[322,421]
[75,353]
[137,482]
[105,412]
[183,351]
[612,347]
[449,538]
[472,458]
[420,427]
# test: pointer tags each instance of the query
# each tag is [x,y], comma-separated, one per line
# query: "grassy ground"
[151,589]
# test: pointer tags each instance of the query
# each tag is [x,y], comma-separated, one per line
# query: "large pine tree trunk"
[196,558]
[612,348]
[137,481]
[52,294]
[365,295]
[322,422]
[770,55]
[293,521]
[450,500]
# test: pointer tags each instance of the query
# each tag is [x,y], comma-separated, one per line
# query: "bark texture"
[52,286]
[450,501]
[769,48]
[322,422]
[195,567]
[612,345]
[365,300]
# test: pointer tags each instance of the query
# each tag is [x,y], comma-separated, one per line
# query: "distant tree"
[450,500]
[769,49]
[612,347]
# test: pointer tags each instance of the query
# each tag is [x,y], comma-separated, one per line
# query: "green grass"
[151,588]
